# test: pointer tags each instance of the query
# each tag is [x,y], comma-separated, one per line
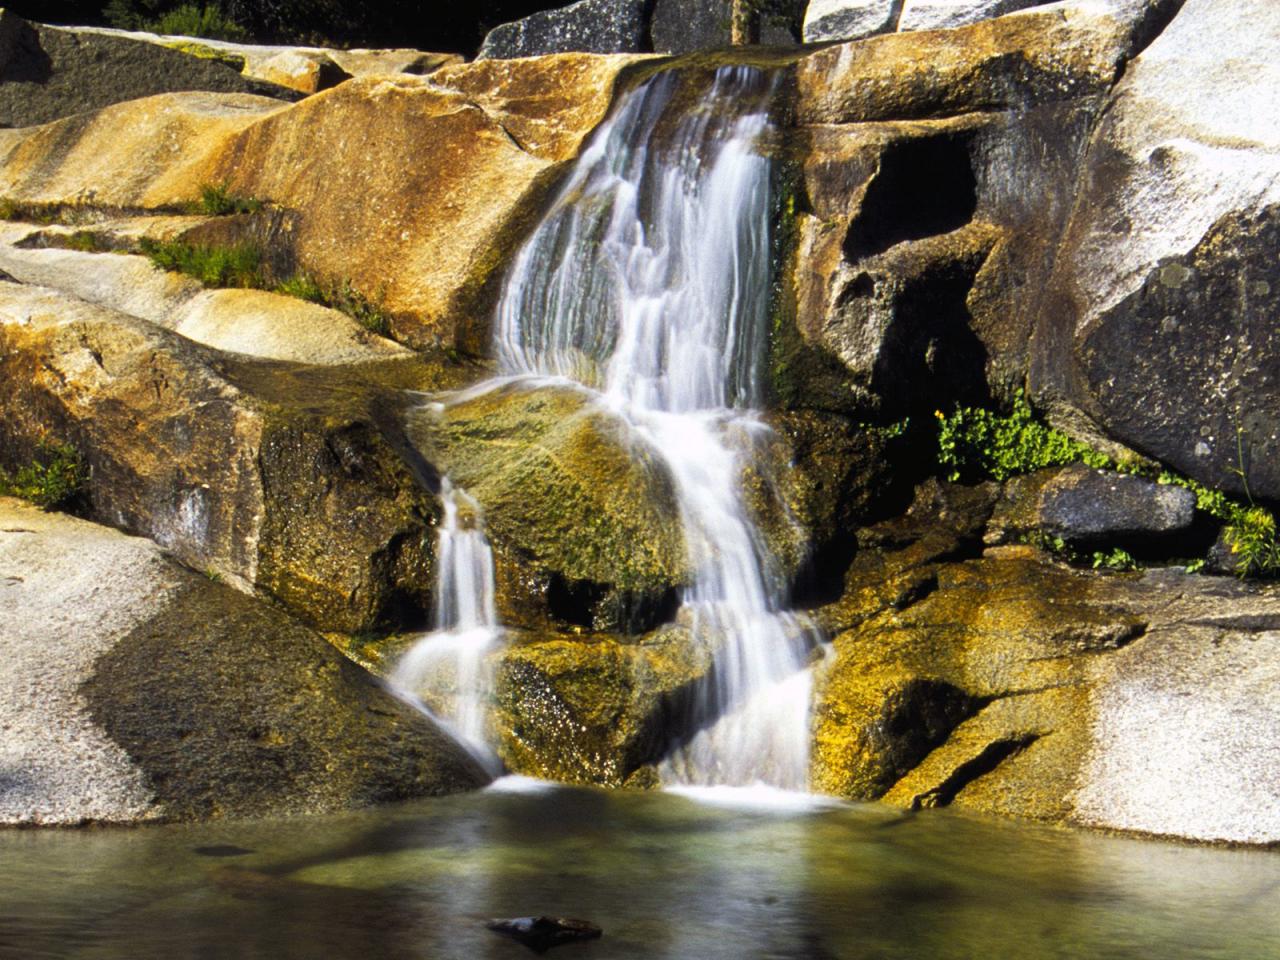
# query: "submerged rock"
[132,689]
[540,934]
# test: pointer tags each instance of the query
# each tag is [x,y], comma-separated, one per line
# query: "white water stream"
[465,628]
[649,280]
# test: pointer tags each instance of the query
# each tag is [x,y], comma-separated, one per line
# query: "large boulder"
[416,215]
[1157,325]
[132,689]
[1013,684]
[273,476]
[588,26]
[47,73]
[581,514]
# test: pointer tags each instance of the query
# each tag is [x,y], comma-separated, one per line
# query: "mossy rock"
[581,514]
[594,711]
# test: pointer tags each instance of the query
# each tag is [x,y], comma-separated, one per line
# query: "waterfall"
[465,626]
[649,280]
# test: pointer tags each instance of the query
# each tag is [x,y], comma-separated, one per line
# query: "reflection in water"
[665,876]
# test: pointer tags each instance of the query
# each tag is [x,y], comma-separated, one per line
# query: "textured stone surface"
[686,26]
[132,689]
[1015,685]
[947,14]
[1168,256]
[588,26]
[849,19]
[416,214]
[47,73]
[272,476]
[252,322]
[1081,504]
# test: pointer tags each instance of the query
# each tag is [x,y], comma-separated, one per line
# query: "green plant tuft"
[214,265]
[974,442]
[303,287]
[190,20]
[1116,559]
[217,200]
[54,478]
[1252,536]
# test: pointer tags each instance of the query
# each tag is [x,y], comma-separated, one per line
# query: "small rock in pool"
[540,934]
[222,850]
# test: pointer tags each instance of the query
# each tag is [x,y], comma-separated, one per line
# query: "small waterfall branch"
[465,626]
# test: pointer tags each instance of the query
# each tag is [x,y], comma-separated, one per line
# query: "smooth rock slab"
[132,689]
[947,14]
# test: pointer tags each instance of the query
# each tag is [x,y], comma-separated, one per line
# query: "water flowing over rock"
[648,281]
[465,625]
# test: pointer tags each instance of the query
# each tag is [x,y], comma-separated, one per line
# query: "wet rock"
[540,934]
[595,710]
[1168,257]
[1015,685]
[588,26]
[849,19]
[581,515]
[1083,505]
[47,73]
[133,689]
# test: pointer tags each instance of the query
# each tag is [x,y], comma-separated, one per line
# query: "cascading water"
[465,628]
[648,280]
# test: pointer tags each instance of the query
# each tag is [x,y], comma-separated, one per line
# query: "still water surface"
[666,876]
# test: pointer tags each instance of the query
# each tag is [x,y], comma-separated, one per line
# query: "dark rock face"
[47,73]
[589,26]
[685,26]
[1187,370]
[1084,505]
[231,709]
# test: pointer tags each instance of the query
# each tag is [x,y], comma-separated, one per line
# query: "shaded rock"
[47,73]
[169,696]
[588,26]
[849,19]
[540,934]
[1168,257]
[581,515]
[273,476]
[1084,505]
[687,26]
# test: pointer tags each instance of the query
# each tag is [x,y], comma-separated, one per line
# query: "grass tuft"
[214,265]
[217,200]
[54,478]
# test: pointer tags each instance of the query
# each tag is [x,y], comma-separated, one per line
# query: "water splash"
[465,627]
[648,279]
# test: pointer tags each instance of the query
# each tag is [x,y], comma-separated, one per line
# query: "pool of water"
[694,877]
